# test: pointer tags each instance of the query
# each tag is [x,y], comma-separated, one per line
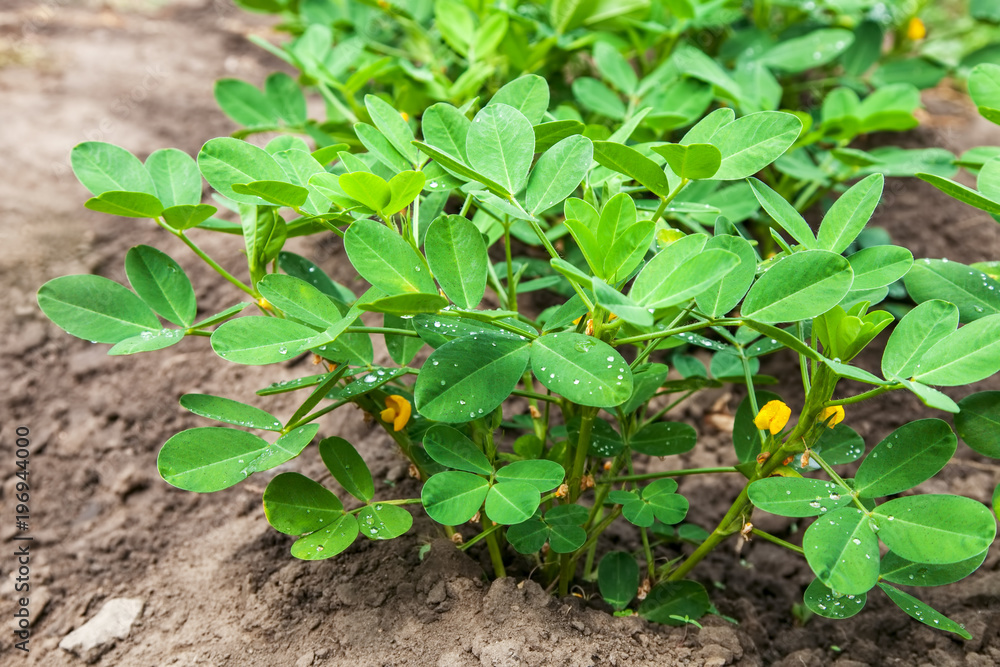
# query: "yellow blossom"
[397,411]
[772,417]
[832,415]
[915,29]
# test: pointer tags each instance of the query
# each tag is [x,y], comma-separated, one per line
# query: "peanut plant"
[530,430]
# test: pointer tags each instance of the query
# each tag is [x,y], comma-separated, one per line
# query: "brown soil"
[218,584]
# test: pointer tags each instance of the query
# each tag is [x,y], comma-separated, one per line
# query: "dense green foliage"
[660,255]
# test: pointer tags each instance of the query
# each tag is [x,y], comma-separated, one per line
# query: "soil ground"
[218,584]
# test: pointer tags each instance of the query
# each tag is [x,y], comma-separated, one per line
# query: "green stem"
[648,553]
[382,330]
[511,290]
[777,540]
[667,473]
[401,501]
[544,239]
[535,395]
[659,413]
[669,198]
[211,262]
[580,456]
[803,362]
[871,393]
[676,330]
[495,557]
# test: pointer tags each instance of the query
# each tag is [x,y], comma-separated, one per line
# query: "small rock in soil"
[97,636]
[305,660]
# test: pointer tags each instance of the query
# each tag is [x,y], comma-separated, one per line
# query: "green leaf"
[405,187]
[226,161]
[500,145]
[842,551]
[528,537]
[528,93]
[965,356]
[691,161]
[664,438]
[783,213]
[978,424]
[918,331]
[286,98]
[721,297]
[383,521]
[797,496]
[385,260]
[630,162]
[849,214]
[814,49]
[618,579]
[295,504]
[619,304]
[923,612]
[303,269]
[391,124]
[209,458]
[668,602]
[512,502]
[285,448]
[407,304]
[259,340]
[447,128]
[976,294]
[614,68]
[147,341]
[126,204]
[558,172]
[911,454]
[96,309]
[162,284]
[676,274]
[907,573]
[187,216]
[370,190]
[455,166]
[670,508]
[799,286]
[582,368]
[452,449]
[452,498]
[962,193]
[274,192]
[230,411]
[543,475]
[840,444]
[381,148]
[754,141]
[175,176]
[457,256]
[879,266]
[598,98]
[102,167]
[936,529]
[298,299]
[327,542]
[244,103]
[549,134]
[347,467]
[984,85]
[824,602]
[469,377]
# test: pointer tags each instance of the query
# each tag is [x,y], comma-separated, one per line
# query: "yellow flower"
[834,413]
[915,29]
[772,417]
[397,411]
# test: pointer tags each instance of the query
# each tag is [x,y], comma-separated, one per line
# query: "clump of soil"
[218,584]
